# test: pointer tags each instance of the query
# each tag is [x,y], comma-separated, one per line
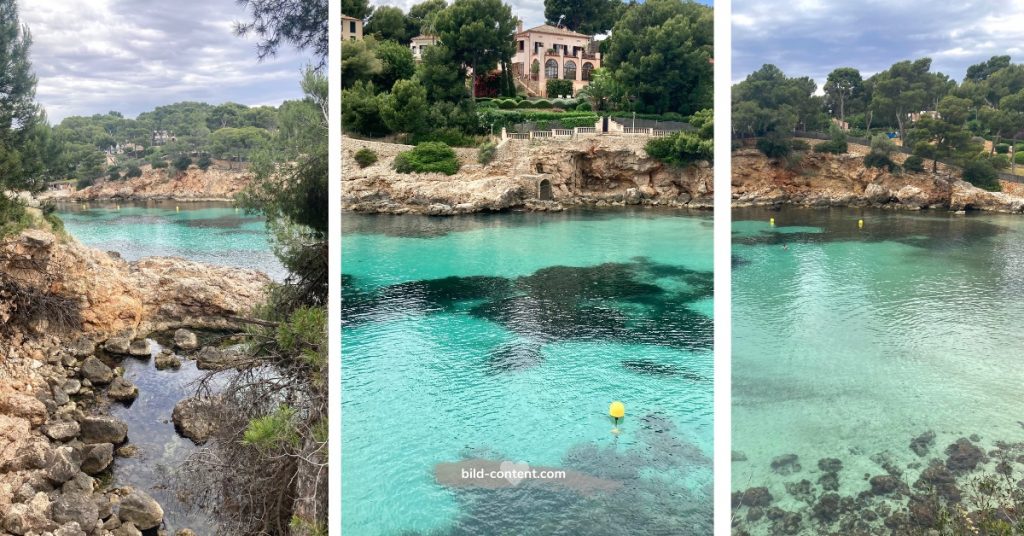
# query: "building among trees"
[351,28]
[420,43]
[547,53]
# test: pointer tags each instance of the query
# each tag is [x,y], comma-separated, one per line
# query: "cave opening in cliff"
[544,190]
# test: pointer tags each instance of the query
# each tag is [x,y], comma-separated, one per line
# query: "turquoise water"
[212,233]
[848,343]
[505,337]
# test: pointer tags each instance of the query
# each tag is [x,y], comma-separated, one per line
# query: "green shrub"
[831,146]
[981,174]
[1018,148]
[133,172]
[182,163]
[799,145]
[1002,148]
[581,121]
[1000,162]
[449,136]
[774,146]
[486,153]
[487,104]
[542,104]
[583,107]
[914,163]
[204,162]
[13,216]
[557,88]
[880,160]
[507,104]
[158,163]
[365,156]
[681,148]
[1019,157]
[428,157]
[524,105]
[114,173]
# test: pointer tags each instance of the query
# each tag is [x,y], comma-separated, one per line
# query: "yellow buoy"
[617,410]
[771,221]
[177,209]
[860,224]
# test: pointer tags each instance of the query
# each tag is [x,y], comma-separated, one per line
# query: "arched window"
[551,69]
[535,70]
[587,67]
[570,70]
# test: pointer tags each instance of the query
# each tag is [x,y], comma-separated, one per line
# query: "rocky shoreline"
[162,185]
[548,175]
[58,442]
[827,180]
[959,485]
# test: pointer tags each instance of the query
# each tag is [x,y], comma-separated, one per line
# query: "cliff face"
[136,298]
[538,175]
[825,180]
[193,185]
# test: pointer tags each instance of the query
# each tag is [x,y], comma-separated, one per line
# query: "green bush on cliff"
[429,157]
[133,171]
[486,153]
[914,163]
[158,163]
[182,163]
[14,218]
[1000,162]
[774,145]
[981,174]
[1002,148]
[204,162]
[365,157]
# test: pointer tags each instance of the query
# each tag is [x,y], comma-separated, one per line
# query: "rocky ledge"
[826,180]
[546,175]
[165,184]
[116,296]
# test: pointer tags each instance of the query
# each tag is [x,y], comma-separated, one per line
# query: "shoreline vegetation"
[430,134]
[922,126]
[71,315]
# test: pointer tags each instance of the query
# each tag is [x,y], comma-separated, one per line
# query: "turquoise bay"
[850,342]
[505,337]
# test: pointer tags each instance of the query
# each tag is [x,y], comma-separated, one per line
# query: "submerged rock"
[963,456]
[759,496]
[922,443]
[885,484]
[827,508]
[830,465]
[786,464]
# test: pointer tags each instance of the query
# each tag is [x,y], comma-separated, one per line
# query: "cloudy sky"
[812,37]
[133,55]
[530,11]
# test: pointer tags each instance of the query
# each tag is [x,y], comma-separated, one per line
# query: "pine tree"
[18,111]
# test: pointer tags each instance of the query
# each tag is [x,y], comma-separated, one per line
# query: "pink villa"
[546,52]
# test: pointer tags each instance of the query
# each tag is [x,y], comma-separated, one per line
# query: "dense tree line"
[658,60]
[926,111]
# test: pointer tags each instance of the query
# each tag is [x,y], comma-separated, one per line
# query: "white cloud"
[134,55]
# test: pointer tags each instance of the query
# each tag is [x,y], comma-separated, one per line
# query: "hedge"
[556,88]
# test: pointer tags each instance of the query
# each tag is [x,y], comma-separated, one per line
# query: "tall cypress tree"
[18,111]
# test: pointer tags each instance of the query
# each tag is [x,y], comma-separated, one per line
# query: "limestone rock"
[102,429]
[140,348]
[165,360]
[118,345]
[96,371]
[63,467]
[75,507]
[23,407]
[82,347]
[193,419]
[122,390]
[61,430]
[97,457]
[30,517]
[141,510]
[185,339]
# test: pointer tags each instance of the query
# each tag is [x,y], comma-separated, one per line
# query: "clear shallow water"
[851,342]
[505,337]
[212,233]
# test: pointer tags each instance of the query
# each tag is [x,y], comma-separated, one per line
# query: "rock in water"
[186,340]
[141,510]
[117,345]
[122,390]
[96,458]
[193,419]
[101,429]
[96,372]
[166,359]
[140,348]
